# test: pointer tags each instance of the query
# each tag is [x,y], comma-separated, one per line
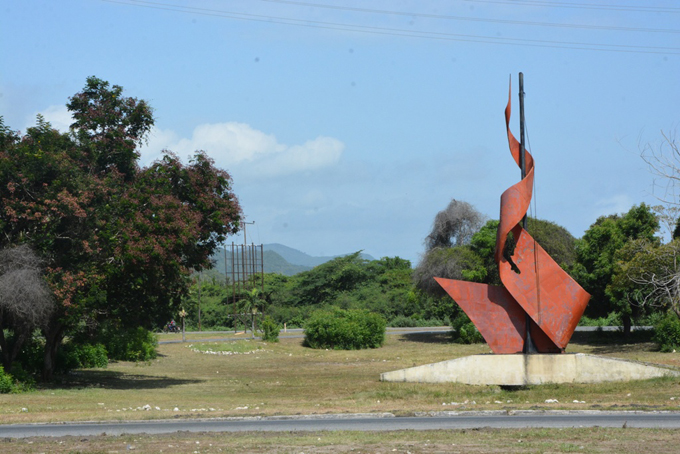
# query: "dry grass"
[287,378]
[589,441]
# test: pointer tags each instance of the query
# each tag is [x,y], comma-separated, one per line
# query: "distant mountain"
[280,259]
[273,263]
[300,258]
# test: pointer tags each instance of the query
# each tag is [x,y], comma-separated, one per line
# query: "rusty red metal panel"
[553,300]
[539,288]
[492,309]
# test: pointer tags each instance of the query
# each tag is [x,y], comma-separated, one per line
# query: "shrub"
[136,344]
[345,330]
[86,355]
[667,333]
[270,329]
[464,331]
[6,382]
[401,321]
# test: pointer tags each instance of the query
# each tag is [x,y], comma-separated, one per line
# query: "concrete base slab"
[518,370]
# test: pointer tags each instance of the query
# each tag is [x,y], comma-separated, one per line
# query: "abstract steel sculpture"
[539,305]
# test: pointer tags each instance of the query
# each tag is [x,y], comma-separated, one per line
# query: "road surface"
[366,422]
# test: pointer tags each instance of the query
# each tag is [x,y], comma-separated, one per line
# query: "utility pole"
[245,243]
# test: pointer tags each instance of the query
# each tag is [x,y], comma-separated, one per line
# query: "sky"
[347,125]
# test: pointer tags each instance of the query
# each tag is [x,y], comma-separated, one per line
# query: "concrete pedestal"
[518,370]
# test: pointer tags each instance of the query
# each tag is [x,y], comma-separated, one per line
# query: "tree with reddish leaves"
[117,241]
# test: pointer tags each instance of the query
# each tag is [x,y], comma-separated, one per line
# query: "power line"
[475,19]
[637,9]
[403,32]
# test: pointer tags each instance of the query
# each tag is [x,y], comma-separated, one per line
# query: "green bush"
[23,380]
[6,382]
[667,333]
[401,321]
[464,331]
[270,330]
[76,356]
[136,344]
[341,329]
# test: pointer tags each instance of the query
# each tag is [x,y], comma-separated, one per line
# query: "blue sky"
[346,129]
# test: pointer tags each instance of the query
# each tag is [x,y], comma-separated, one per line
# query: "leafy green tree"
[322,284]
[598,258]
[119,242]
[110,126]
[648,277]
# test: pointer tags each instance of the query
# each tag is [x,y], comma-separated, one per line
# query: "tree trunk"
[626,326]
[54,333]
[4,351]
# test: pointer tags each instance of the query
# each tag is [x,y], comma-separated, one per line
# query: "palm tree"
[251,303]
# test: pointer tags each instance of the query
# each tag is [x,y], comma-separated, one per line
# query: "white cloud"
[254,152]
[58,116]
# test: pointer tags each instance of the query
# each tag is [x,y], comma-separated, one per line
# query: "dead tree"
[444,255]
[26,301]
[454,226]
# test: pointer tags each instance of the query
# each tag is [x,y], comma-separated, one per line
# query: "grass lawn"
[513,441]
[248,378]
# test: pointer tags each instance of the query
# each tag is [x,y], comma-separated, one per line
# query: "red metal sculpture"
[537,287]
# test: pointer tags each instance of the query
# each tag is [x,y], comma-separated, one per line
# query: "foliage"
[109,125]
[667,333]
[401,321]
[555,239]
[599,255]
[483,244]
[80,356]
[270,329]
[6,382]
[341,329]
[648,276]
[464,331]
[132,344]
[322,284]
[451,263]
[118,241]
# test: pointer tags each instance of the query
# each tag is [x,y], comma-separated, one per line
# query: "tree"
[446,249]
[648,276]
[598,258]
[25,300]
[664,163]
[323,283]
[454,226]
[111,126]
[118,241]
[451,263]
[252,303]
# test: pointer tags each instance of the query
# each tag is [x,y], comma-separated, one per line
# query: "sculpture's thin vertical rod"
[522,151]
[529,346]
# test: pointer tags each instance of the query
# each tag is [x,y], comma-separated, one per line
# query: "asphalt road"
[380,422]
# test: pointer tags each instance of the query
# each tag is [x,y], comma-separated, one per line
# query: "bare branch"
[664,163]
[25,298]
[454,226]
